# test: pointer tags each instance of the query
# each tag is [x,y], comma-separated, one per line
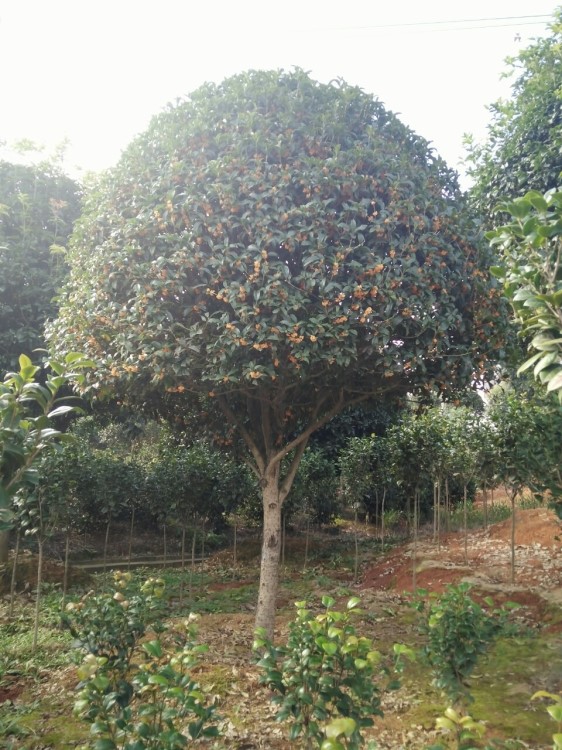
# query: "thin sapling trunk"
[382,518]
[465,523]
[512,498]
[14,575]
[356,540]
[66,566]
[40,542]
[182,564]
[307,533]
[131,529]
[415,549]
[192,567]
[106,542]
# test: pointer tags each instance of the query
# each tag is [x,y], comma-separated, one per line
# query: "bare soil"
[511,675]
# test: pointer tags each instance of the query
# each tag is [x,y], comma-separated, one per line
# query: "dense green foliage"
[28,410]
[281,249]
[153,703]
[268,229]
[523,148]
[458,631]
[531,270]
[324,672]
[38,206]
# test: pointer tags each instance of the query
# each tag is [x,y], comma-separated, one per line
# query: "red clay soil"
[487,565]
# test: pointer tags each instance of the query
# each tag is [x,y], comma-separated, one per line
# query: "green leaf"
[555,711]
[537,201]
[555,383]
[498,272]
[355,601]
[337,727]
[329,647]
[104,744]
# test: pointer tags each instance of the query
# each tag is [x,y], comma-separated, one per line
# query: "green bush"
[158,706]
[325,673]
[109,625]
[458,631]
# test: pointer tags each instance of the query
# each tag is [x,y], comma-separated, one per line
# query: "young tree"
[27,409]
[274,250]
[523,148]
[531,270]
[38,205]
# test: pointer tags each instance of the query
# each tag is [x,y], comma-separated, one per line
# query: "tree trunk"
[4,546]
[270,553]
[38,597]
[356,543]
[382,519]
[182,578]
[192,566]
[307,534]
[14,576]
[66,566]
[106,542]
[465,523]
[131,529]
[513,496]
[415,549]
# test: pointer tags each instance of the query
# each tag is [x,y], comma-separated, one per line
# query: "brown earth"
[229,672]
[486,563]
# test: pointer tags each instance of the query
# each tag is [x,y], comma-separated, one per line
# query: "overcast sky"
[95,72]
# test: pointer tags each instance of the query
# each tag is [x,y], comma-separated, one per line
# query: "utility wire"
[540,19]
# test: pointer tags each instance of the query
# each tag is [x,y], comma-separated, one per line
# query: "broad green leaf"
[337,727]
[555,383]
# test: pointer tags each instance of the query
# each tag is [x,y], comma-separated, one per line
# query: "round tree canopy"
[278,239]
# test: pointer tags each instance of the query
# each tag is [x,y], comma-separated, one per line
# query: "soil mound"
[486,562]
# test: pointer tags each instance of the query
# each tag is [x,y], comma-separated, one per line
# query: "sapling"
[157,705]
[109,625]
[462,728]
[458,630]
[555,711]
[325,672]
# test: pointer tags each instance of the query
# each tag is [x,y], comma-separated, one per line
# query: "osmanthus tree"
[273,250]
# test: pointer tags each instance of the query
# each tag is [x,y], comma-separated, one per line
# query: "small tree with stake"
[271,251]
[27,409]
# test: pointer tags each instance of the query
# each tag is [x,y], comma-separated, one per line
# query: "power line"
[540,19]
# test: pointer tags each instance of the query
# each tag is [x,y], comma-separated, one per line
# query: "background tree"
[523,149]
[272,251]
[38,205]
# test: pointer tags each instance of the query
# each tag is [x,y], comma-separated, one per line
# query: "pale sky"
[96,71]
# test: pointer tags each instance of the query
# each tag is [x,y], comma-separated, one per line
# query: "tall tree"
[523,150]
[38,205]
[274,250]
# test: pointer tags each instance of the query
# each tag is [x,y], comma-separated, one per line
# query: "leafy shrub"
[324,673]
[159,706]
[108,625]
[458,630]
